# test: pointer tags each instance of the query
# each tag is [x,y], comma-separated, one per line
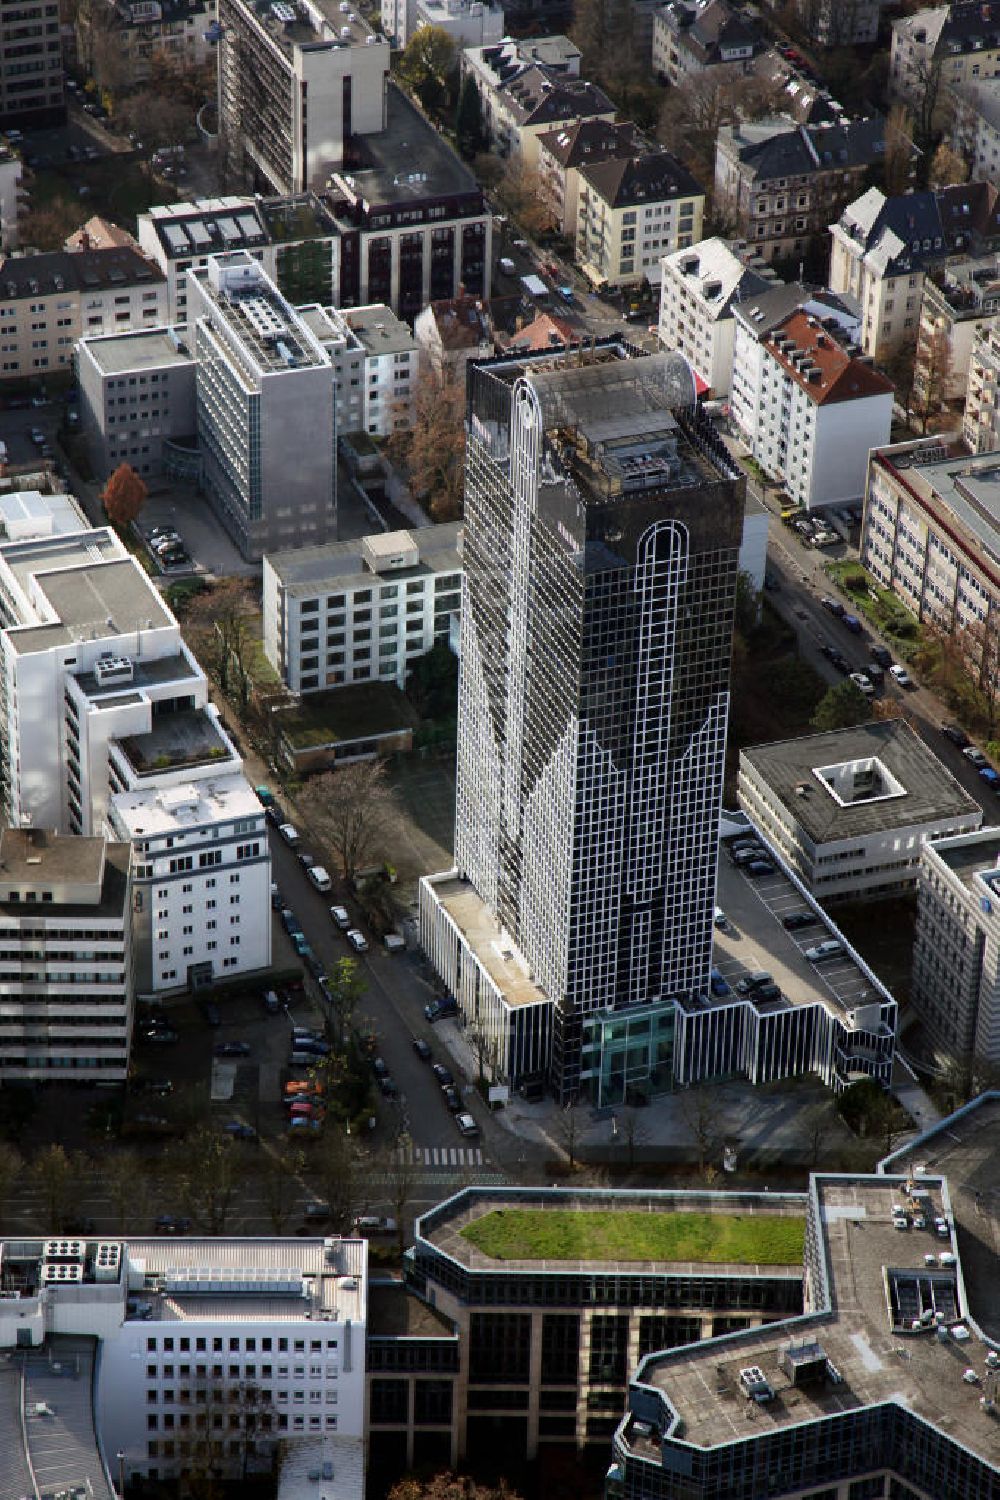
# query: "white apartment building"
[931,531]
[66,974]
[975,127]
[698,290]
[961,300]
[849,810]
[361,611]
[49,301]
[376,363]
[202,879]
[956,944]
[294,86]
[266,413]
[469,23]
[182,1352]
[179,237]
[12,196]
[809,409]
[137,397]
[981,420]
[953,44]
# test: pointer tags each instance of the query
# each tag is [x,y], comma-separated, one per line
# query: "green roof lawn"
[609,1235]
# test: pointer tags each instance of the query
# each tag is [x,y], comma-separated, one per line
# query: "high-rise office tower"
[602,530]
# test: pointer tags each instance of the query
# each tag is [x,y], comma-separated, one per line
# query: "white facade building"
[263,1340]
[850,809]
[698,289]
[956,945]
[265,410]
[975,127]
[202,879]
[981,419]
[66,985]
[469,23]
[11,193]
[360,611]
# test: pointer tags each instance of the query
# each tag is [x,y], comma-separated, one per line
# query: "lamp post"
[120,1455]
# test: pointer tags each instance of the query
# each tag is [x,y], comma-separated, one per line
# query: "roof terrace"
[180,740]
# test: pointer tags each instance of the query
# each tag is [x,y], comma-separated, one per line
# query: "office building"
[66,991]
[547,1346]
[604,691]
[961,300]
[265,409]
[981,418]
[956,945]
[361,611]
[881,249]
[949,45]
[295,87]
[849,810]
[632,210]
[698,290]
[865,1393]
[48,301]
[778,183]
[975,127]
[31,65]
[166,1356]
[202,872]
[694,39]
[931,533]
[137,399]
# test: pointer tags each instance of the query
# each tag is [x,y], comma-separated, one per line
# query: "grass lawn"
[535,1234]
[881,606]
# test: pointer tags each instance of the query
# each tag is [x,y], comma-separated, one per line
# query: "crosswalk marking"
[440,1156]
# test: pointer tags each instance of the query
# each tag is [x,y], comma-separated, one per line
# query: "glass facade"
[627,1056]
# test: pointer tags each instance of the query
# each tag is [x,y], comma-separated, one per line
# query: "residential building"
[137,398]
[956,945]
[882,248]
[101,234]
[931,533]
[943,47]
[179,237]
[542,332]
[31,65]
[529,88]
[66,993]
[803,98]
[809,408]
[452,332]
[981,420]
[469,23]
[547,1347]
[49,301]
[850,809]
[391,368]
[266,1334]
[561,153]
[295,92]
[632,211]
[778,183]
[265,409]
[690,39]
[975,127]
[698,290]
[361,611]
[599,469]
[839,23]
[12,197]
[202,871]
[960,299]
[812,1402]
[117,46]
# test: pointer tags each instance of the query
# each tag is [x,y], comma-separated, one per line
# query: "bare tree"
[281,1167]
[125,1180]
[11,1167]
[966,1075]
[58,1175]
[633,1133]
[447,1486]
[481,1041]
[897,163]
[209,1173]
[432,450]
[219,624]
[350,809]
[339,1177]
[699,1112]
[569,1129]
[400,1174]
[931,373]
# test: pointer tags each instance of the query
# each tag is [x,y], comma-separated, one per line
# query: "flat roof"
[145,814]
[30,513]
[264,328]
[442,1227]
[317,23]
[147,672]
[970,854]
[188,737]
[966,487]
[39,857]
[358,711]
[930,791]
[113,895]
[876,1361]
[395,1311]
[379,329]
[408,160]
[305,571]
[146,349]
[492,947]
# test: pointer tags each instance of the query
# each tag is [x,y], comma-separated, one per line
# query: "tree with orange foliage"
[123,496]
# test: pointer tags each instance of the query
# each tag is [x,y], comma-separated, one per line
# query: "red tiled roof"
[827,373]
[543,333]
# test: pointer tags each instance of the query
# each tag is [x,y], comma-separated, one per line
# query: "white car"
[290,834]
[863,683]
[976,756]
[832,948]
[901,675]
[466,1124]
[341,916]
[319,877]
[357,940]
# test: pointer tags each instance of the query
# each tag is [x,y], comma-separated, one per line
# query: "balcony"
[177,741]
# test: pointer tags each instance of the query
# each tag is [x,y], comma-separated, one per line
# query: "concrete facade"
[956,945]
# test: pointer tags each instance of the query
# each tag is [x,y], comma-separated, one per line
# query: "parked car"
[239,1131]
[290,834]
[719,983]
[357,940]
[160,1036]
[232,1049]
[211,1012]
[388,1087]
[160,1086]
[750,982]
[767,992]
[443,1075]
[863,683]
[274,814]
[882,655]
[316,1212]
[315,1046]
[466,1124]
[277,901]
[366,1224]
[901,675]
[290,921]
[452,1100]
[975,755]
[437,1010]
[380,1067]
[171,1224]
[341,916]
[834,606]
[797,919]
[852,623]
[306,860]
[422,1049]
[319,878]
[757,868]
[957,735]
[300,943]
[991,777]
[831,948]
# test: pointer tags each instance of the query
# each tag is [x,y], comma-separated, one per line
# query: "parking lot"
[755,939]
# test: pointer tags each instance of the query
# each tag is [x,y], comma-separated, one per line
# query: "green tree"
[123,496]
[209,1173]
[470,130]
[432,683]
[427,65]
[346,984]
[841,706]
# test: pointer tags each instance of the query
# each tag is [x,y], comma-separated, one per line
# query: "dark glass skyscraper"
[603,526]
